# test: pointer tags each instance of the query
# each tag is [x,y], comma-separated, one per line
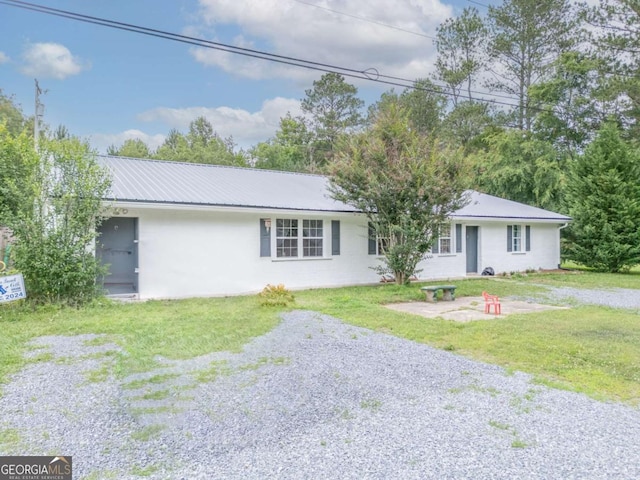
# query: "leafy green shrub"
[275,295]
[54,224]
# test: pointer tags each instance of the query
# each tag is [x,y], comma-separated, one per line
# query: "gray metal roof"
[157,181]
[486,206]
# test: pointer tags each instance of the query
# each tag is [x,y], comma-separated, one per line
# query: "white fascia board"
[487,219]
[231,209]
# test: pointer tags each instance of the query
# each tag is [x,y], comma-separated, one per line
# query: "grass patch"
[144,471]
[147,433]
[155,380]
[262,361]
[139,411]
[587,279]
[41,358]
[213,372]
[157,395]
[371,404]
[98,375]
[9,439]
[174,329]
[99,341]
[103,475]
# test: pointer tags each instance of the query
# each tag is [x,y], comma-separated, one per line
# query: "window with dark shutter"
[372,240]
[265,239]
[458,238]
[509,238]
[527,239]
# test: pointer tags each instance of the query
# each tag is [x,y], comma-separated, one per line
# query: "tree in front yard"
[405,183]
[603,196]
[54,223]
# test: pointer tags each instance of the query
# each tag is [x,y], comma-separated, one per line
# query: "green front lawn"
[587,349]
[172,329]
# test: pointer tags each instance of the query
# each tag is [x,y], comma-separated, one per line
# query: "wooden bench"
[448,292]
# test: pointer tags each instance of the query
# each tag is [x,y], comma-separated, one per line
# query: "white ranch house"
[187,230]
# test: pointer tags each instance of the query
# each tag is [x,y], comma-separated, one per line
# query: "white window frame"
[286,242]
[516,240]
[311,241]
[305,237]
[445,240]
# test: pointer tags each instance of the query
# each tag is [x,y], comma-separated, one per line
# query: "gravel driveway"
[314,398]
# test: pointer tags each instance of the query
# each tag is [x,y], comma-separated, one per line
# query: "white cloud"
[50,60]
[295,29]
[246,128]
[3,58]
[102,141]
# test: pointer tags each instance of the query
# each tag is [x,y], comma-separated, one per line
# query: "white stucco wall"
[492,251]
[190,252]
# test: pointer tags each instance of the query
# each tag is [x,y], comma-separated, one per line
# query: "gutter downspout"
[560,228]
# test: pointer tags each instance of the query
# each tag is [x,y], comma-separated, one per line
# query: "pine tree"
[603,196]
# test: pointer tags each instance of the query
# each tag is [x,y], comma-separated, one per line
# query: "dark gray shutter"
[335,237]
[435,246]
[509,238]
[265,240]
[372,240]
[458,238]
[527,238]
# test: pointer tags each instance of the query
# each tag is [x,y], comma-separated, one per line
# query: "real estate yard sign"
[12,288]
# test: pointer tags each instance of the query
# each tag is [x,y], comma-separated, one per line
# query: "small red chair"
[491,300]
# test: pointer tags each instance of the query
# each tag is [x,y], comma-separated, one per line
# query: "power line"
[508,97]
[478,3]
[371,74]
[364,19]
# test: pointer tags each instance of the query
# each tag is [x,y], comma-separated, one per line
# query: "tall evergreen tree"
[334,109]
[425,103]
[616,37]
[461,44]
[526,37]
[603,197]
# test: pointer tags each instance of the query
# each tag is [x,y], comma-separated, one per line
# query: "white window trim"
[442,237]
[520,238]
[300,240]
[438,241]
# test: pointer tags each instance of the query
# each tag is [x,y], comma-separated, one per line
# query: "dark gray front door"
[472,249]
[117,248]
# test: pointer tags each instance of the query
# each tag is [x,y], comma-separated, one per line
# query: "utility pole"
[39,113]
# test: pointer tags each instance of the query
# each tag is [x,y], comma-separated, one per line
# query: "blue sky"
[108,85]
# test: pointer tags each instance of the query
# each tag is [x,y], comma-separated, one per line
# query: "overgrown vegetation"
[275,295]
[52,205]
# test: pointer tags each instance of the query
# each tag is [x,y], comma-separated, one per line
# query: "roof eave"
[200,205]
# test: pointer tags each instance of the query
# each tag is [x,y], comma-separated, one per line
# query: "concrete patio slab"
[466,309]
